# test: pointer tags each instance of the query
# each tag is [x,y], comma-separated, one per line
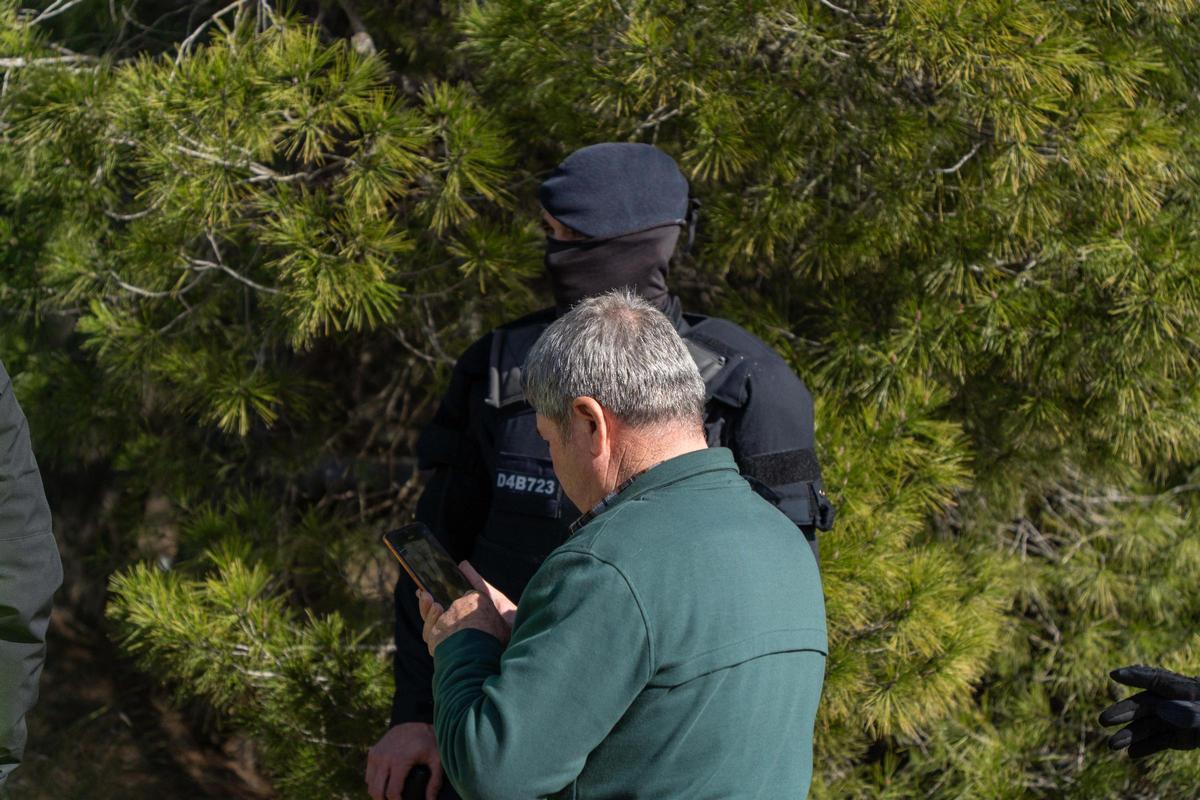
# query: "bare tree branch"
[430,331]
[200,265]
[261,172]
[187,43]
[838,9]
[659,116]
[957,166]
[212,158]
[18,63]
[403,340]
[180,317]
[128,217]
[129,287]
[53,10]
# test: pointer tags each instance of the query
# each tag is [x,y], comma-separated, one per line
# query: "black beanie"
[614,188]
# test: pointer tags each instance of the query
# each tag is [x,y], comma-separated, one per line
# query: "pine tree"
[241,265]
[967,223]
[238,271]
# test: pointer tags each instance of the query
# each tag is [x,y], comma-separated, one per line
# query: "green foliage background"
[241,245]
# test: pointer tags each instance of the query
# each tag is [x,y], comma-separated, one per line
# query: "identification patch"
[526,484]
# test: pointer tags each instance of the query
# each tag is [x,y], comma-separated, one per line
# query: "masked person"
[615,213]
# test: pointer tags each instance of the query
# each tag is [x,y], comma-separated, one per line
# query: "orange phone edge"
[404,566]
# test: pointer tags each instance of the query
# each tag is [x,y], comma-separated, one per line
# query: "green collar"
[673,470]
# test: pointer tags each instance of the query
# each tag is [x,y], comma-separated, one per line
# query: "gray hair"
[622,352]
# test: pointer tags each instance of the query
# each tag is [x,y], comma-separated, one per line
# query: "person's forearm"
[462,663]
[519,721]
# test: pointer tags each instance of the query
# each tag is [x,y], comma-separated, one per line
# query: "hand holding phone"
[427,563]
[506,607]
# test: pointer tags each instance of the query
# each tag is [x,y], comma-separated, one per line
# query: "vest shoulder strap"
[509,348]
[708,361]
[719,365]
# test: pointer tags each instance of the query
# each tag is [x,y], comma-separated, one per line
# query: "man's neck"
[650,450]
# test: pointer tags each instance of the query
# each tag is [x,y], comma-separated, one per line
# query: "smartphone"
[427,563]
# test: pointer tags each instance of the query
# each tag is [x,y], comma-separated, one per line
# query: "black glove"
[1164,716]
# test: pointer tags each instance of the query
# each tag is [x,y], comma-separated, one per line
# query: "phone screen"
[427,563]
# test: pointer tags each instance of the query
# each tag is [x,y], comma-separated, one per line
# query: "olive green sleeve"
[30,572]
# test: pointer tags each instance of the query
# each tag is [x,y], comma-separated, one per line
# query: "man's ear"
[590,416]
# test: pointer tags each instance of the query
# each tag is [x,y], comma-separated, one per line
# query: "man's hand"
[506,607]
[475,609]
[401,748]
[1165,716]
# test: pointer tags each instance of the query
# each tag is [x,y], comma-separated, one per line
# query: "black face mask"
[580,269]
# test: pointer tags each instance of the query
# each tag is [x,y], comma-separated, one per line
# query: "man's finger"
[396,776]
[500,601]
[481,586]
[435,780]
[378,782]
[372,768]
[433,613]
[430,610]
[473,577]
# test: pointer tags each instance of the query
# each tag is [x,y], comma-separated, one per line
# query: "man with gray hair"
[674,645]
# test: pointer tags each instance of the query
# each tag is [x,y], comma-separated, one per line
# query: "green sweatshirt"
[674,647]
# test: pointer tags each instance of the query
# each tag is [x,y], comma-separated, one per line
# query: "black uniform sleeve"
[772,441]
[455,506]
[30,572]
